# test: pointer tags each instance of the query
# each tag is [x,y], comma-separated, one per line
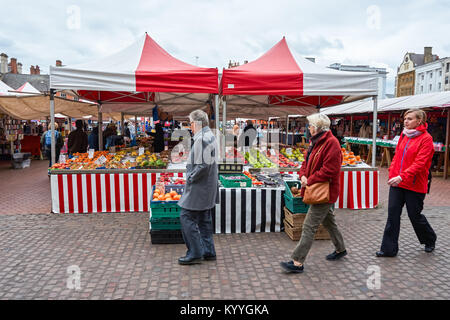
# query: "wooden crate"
[293,228]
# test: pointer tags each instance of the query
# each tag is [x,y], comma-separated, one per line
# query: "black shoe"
[186,260]
[429,248]
[336,256]
[209,258]
[384,254]
[290,267]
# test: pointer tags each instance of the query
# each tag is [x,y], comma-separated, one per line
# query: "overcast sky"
[375,33]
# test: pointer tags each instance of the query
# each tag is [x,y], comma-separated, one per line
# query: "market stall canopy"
[420,101]
[5,90]
[282,77]
[142,74]
[33,107]
[28,88]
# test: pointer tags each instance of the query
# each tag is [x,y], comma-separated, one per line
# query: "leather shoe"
[186,260]
[384,254]
[209,258]
[429,248]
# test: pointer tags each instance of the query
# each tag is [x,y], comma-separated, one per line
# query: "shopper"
[322,164]
[408,181]
[126,130]
[201,193]
[93,139]
[158,142]
[248,136]
[78,139]
[46,144]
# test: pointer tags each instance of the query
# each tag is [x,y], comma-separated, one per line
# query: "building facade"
[432,77]
[362,68]
[405,82]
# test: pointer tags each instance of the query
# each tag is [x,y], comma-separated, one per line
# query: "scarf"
[412,133]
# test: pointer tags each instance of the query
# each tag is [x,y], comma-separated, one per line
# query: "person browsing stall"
[322,164]
[201,193]
[78,139]
[409,182]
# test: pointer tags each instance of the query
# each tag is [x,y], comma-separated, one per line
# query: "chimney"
[19,68]
[245,61]
[427,55]
[3,63]
[37,70]
[13,65]
[58,63]
[32,71]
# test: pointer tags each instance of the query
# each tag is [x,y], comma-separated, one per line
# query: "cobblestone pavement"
[118,261]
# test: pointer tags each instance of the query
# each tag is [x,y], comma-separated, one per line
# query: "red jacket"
[412,160]
[327,166]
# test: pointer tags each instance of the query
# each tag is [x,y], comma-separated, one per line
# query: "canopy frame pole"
[135,126]
[374,133]
[351,126]
[389,126]
[100,128]
[52,125]
[122,116]
[217,107]
[447,141]
[287,130]
[224,128]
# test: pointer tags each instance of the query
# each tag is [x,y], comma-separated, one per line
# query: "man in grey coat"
[201,193]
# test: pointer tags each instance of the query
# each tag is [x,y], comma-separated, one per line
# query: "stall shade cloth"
[286,78]
[134,74]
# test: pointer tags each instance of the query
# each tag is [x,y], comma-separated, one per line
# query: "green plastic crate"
[165,223]
[295,205]
[164,209]
[289,185]
[243,183]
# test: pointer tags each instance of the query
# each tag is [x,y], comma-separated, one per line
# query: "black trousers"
[398,197]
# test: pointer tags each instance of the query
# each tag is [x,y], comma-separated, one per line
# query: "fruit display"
[255,181]
[162,195]
[257,159]
[281,160]
[296,192]
[234,154]
[297,154]
[349,158]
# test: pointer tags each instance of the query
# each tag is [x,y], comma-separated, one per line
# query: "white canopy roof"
[421,101]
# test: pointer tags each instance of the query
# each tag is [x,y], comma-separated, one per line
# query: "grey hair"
[320,121]
[199,116]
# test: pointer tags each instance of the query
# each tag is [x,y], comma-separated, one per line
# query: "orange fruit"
[177,197]
[156,194]
[160,197]
[173,193]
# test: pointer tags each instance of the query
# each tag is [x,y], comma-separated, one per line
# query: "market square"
[138,171]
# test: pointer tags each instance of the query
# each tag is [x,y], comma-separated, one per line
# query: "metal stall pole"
[287,130]
[224,128]
[52,123]
[374,133]
[100,128]
[217,105]
[122,116]
[447,138]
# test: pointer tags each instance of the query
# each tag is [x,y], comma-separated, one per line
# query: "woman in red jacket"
[322,164]
[408,180]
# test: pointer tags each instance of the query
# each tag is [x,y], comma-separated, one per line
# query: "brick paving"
[118,261]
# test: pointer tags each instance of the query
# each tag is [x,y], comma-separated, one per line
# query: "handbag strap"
[315,158]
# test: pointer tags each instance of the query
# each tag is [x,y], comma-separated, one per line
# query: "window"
[63,95]
[447,69]
[440,73]
[439,86]
[422,76]
[431,75]
[421,89]
[431,87]
[446,80]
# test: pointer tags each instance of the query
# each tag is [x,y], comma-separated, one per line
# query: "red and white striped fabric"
[110,192]
[358,189]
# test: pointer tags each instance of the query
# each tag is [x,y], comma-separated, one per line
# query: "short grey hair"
[199,116]
[320,121]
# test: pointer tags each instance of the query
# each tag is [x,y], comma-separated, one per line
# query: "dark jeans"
[196,227]
[48,154]
[398,197]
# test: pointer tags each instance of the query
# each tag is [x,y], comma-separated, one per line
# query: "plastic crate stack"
[165,226]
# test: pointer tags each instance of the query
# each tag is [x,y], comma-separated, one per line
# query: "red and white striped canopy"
[134,75]
[281,77]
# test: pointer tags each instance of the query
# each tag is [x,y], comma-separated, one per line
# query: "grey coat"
[202,188]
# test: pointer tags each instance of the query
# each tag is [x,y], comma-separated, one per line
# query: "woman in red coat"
[322,164]
[408,180]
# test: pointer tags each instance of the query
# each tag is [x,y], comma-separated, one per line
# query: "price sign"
[272,152]
[91,153]
[141,151]
[289,151]
[100,160]
[62,158]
